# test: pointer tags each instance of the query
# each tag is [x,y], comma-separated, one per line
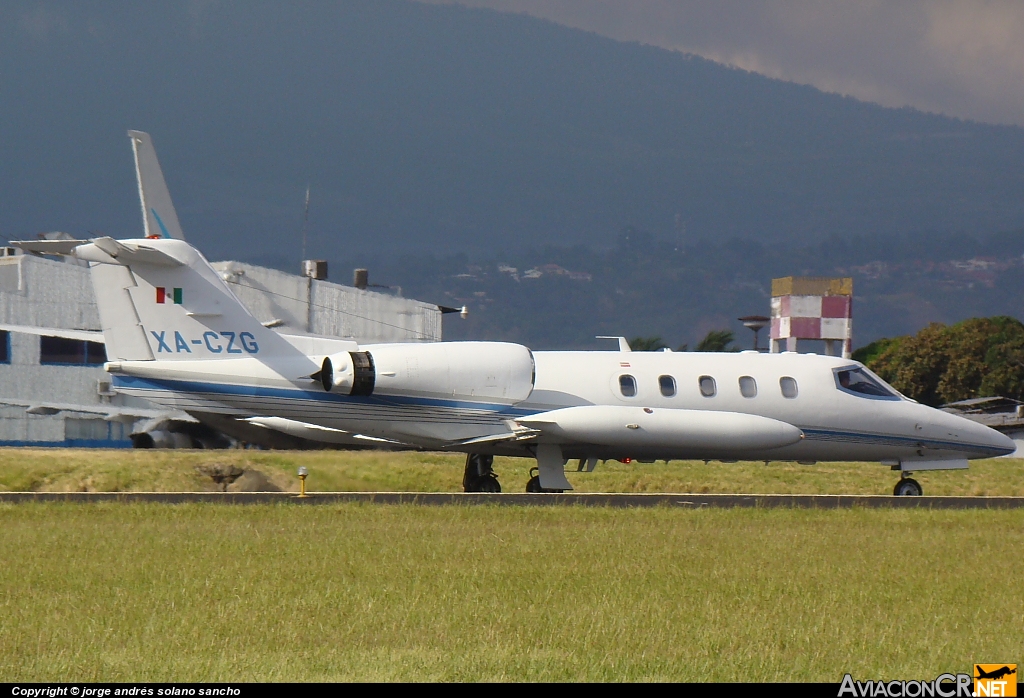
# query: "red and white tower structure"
[811,307]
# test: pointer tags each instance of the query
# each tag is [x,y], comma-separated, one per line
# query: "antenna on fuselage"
[623,344]
[305,224]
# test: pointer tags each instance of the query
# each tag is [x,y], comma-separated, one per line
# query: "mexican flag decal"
[168,295]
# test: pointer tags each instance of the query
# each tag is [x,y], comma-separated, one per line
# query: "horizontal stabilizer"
[81,335]
[105,250]
[60,248]
[135,252]
[110,413]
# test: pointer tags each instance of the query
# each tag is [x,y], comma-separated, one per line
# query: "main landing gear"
[533,484]
[479,477]
[907,487]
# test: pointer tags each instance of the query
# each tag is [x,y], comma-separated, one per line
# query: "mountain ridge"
[444,128]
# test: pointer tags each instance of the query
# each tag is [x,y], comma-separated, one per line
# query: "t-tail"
[160,299]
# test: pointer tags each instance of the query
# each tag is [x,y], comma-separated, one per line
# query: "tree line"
[980,357]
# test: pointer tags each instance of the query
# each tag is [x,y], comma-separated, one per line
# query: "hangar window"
[748,386]
[789,387]
[858,381]
[64,351]
[707,386]
[627,384]
[667,385]
[5,347]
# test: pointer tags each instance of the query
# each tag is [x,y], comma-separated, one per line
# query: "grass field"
[25,469]
[371,592]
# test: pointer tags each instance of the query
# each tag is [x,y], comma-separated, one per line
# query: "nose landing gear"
[479,477]
[907,487]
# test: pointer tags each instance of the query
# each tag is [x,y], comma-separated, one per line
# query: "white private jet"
[177,336]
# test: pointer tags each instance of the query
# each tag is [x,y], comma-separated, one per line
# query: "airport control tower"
[812,307]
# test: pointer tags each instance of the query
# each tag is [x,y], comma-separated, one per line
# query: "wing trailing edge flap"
[517,432]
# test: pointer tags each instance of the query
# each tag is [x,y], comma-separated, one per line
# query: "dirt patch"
[222,474]
[252,481]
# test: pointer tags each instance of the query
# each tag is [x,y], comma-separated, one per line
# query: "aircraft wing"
[516,432]
[315,432]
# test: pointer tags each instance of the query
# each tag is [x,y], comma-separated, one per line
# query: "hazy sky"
[963,58]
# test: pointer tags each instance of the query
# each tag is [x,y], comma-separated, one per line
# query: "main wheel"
[479,477]
[907,487]
[533,484]
[488,484]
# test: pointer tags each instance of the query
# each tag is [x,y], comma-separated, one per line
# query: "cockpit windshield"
[858,381]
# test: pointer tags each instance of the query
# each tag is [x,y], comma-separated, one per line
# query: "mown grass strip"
[355,592]
[88,470]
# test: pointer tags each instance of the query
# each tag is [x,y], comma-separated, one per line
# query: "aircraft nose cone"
[979,441]
[993,442]
[1004,443]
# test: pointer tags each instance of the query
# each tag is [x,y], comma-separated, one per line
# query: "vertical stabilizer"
[123,332]
[158,215]
[161,299]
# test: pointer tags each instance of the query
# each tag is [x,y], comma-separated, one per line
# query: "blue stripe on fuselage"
[873,439]
[183,386]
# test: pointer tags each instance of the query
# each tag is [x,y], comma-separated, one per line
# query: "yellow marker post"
[302,480]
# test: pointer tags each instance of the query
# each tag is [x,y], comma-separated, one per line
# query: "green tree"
[717,340]
[980,357]
[868,353]
[647,344]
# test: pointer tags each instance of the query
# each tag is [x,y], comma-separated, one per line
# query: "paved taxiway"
[692,501]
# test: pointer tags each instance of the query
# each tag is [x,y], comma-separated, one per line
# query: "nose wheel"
[479,477]
[907,487]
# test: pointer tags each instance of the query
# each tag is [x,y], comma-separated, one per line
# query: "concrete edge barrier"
[693,501]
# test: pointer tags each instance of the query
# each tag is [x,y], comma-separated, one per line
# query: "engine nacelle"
[472,371]
[350,372]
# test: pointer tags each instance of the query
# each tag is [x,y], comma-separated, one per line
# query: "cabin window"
[61,350]
[748,386]
[627,385]
[707,386]
[858,381]
[789,387]
[667,385]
